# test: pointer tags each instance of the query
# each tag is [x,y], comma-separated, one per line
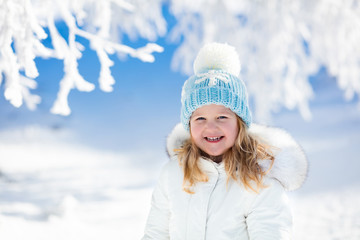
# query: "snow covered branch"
[281,43]
[22,28]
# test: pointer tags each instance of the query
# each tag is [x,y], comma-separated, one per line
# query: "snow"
[51,189]
[328,215]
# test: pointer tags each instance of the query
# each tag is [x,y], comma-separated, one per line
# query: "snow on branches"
[22,24]
[280,43]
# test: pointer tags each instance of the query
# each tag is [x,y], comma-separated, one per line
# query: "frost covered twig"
[19,39]
[22,29]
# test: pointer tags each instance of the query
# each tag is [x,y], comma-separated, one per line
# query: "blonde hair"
[241,161]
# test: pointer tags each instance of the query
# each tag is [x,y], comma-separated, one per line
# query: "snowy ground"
[53,187]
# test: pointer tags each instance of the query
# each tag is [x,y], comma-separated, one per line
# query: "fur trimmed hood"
[290,166]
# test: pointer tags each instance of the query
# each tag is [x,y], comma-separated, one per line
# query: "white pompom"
[220,56]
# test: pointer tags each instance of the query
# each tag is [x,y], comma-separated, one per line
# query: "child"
[226,176]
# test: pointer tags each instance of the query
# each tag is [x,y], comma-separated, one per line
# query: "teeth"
[212,139]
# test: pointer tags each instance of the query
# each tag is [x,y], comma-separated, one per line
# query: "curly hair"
[241,161]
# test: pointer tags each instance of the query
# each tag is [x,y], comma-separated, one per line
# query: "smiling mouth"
[213,139]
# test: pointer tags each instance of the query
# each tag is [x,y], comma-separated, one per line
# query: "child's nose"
[211,125]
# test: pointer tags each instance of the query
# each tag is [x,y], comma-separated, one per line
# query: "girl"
[226,176]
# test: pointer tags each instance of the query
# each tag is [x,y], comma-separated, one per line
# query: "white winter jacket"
[217,211]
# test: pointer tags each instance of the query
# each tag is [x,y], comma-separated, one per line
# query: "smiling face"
[214,129]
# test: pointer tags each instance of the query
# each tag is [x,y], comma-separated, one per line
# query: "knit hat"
[216,81]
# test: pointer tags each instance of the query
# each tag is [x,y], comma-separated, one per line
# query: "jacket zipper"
[208,202]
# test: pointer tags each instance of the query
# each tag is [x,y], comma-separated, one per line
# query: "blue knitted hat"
[216,81]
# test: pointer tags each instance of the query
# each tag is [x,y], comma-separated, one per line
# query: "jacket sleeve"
[157,226]
[269,216]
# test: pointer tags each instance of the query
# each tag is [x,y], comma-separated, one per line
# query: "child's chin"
[217,153]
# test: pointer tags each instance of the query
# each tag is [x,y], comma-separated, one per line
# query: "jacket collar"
[290,166]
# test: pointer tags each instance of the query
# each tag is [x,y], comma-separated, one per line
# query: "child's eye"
[200,118]
[222,117]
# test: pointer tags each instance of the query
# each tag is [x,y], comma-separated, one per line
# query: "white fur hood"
[290,167]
